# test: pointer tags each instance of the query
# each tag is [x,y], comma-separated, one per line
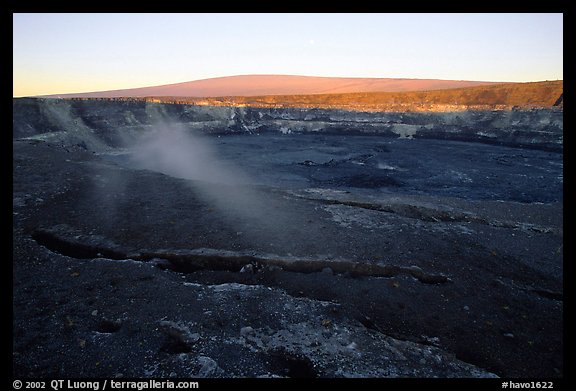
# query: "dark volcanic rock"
[128,272]
[364,181]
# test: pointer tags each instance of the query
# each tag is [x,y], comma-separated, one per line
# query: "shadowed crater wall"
[99,124]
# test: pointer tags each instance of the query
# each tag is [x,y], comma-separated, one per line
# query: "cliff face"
[101,124]
[505,96]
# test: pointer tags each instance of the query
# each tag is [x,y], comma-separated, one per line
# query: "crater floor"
[325,256]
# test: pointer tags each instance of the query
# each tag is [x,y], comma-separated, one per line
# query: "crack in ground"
[191,260]
[434,215]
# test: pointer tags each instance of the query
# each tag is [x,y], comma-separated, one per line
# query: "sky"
[64,53]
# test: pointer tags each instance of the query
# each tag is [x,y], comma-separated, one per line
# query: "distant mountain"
[258,85]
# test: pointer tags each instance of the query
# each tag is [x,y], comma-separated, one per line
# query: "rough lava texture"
[97,124]
[356,245]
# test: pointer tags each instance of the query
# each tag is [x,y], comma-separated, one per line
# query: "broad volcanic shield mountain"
[250,85]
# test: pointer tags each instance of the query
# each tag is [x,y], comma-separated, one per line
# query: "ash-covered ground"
[297,255]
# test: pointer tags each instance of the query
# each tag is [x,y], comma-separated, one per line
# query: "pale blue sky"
[59,53]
